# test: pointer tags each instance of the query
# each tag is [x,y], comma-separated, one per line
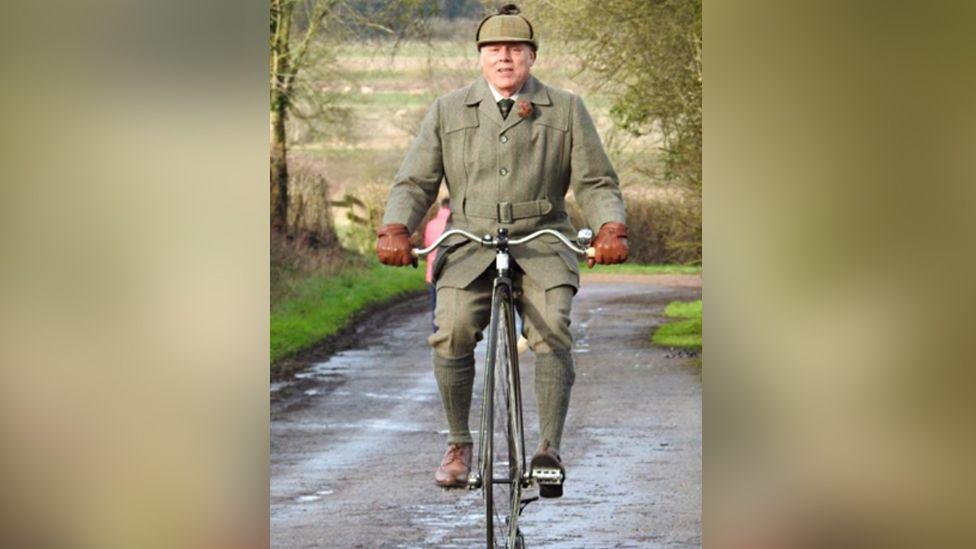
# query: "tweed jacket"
[513,173]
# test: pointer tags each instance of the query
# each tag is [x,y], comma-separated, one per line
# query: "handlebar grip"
[415,252]
[590,252]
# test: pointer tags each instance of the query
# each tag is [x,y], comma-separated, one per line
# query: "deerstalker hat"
[506,26]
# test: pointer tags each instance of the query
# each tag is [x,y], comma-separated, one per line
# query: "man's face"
[506,65]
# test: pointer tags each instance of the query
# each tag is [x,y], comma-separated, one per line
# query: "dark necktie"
[505,106]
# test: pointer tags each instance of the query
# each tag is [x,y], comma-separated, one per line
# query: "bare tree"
[301,32]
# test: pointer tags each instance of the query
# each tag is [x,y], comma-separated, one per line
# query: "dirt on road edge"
[371,317]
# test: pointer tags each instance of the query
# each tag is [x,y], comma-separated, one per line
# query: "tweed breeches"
[463,313]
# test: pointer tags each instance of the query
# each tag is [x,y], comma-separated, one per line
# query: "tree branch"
[297,59]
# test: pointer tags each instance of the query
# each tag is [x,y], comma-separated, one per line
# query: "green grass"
[685,332]
[321,305]
[684,309]
[631,268]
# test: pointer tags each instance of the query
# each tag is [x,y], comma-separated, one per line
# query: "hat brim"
[497,39]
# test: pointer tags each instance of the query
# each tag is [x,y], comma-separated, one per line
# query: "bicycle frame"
[503,526]
[503,289]
[503,279]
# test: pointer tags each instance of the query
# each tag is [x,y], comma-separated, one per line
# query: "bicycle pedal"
[551,490]
[548,475]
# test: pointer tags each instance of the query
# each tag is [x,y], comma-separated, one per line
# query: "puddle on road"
[447,525]
[327,369]
[387,425]
[581,345]
[308,498]
[414,398]
[324,377]
[358,428]
[320,379]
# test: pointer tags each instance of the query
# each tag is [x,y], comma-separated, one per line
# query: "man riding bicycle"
[509,148]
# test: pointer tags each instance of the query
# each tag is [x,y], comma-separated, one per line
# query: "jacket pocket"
[555,119]
[460,121]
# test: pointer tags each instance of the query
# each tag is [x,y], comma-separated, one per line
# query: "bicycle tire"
[502,454]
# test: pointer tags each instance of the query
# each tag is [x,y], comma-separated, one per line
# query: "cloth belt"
[507,212]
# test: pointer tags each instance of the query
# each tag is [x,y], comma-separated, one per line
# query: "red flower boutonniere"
[524,109]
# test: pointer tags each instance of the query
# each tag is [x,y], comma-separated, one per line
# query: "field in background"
[384,92]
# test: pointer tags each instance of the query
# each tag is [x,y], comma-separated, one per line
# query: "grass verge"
[686,331]
[322,305]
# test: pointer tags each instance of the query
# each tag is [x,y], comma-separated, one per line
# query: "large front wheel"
[502,455]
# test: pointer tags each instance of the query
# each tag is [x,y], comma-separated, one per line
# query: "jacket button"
[503,171]
[504,139]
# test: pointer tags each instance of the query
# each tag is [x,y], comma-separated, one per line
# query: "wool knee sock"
[554,376]
[455,378]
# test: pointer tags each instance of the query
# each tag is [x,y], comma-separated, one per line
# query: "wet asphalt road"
[355,440]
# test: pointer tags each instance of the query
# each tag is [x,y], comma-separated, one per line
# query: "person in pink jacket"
[435,228]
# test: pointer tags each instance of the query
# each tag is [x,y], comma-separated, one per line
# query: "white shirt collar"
[498,95]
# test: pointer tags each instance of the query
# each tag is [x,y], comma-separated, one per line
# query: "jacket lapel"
[479,93]
[534,92]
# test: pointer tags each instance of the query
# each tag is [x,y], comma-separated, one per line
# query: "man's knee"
[455,340]
[458,326]
[551,341]
[548,323]
[552,337]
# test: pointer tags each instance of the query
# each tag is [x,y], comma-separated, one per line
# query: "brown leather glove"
[393,245]
[610,244]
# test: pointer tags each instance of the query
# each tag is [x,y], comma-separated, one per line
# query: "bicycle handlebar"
[489,241]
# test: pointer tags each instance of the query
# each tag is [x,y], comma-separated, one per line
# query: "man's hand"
[393,245]
[610,244]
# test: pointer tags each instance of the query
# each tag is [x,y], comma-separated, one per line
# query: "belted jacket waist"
[507,212]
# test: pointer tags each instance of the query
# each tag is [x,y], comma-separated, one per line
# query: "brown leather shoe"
[455,466]
[548,458]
